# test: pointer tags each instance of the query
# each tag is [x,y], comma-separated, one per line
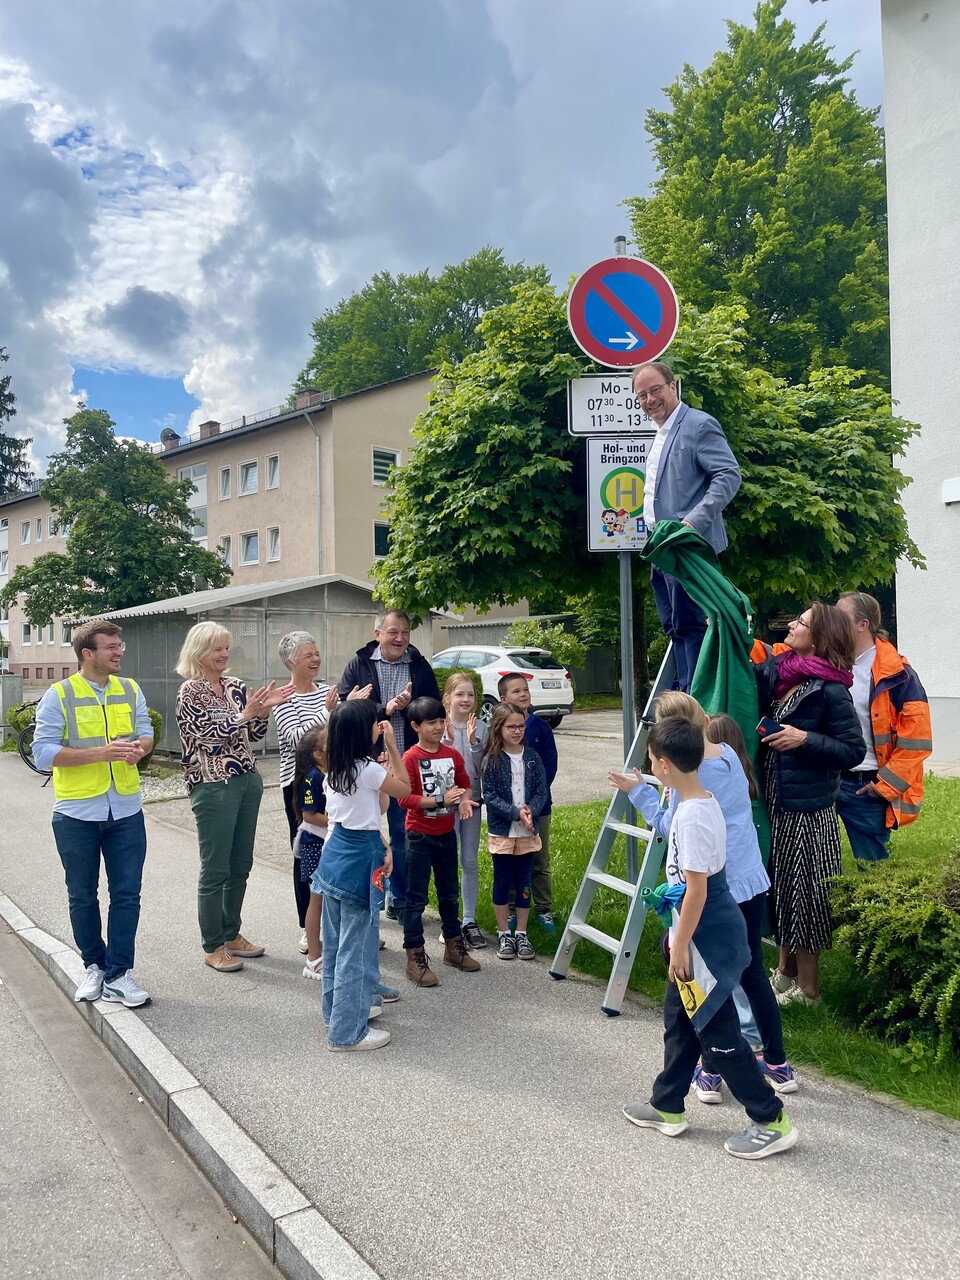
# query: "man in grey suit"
[691,476]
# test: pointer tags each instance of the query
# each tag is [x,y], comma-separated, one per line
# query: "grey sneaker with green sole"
[758,1141]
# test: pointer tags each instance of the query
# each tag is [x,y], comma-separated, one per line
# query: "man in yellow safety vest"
[92,730]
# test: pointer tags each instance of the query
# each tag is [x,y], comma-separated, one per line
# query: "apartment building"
[289,493]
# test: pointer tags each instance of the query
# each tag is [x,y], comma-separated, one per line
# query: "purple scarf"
[792,668]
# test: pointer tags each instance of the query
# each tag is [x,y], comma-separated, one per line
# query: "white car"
[551,688]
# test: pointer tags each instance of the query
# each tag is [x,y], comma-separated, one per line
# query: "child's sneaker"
[758,1141]
[648,1117]
[314,969]
[472,935]
[708,1085]
[387,995]
[783,1078]
[524,947]
[506,947]
[512,920]
[546,921]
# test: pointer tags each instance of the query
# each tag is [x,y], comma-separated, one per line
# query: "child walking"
[351,871]
[723,774]
[514,788]
[309,810]
[439,789]
[469,736]
[707,952]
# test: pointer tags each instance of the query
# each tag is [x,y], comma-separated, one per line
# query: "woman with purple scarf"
[807,691]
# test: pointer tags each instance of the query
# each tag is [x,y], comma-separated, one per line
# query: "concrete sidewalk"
[487,1137]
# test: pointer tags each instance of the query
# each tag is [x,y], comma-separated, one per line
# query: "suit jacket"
[697,476]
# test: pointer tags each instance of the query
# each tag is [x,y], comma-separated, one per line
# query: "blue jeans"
[865,820]
[683,622]
[351,967]
[397,884]
[123,844]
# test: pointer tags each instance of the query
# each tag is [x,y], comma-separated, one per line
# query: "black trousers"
[723,1051]
[439,855]
[301,891]
[756,984]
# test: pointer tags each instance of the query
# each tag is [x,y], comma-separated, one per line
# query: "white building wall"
[921,53]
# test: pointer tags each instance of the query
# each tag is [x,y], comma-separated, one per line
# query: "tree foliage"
[772,191]
[396,326]
[129,538]
[533,633]
[15,471]
[491,506]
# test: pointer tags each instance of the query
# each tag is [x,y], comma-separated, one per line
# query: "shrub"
[21,715]
[444,673]
[156,720]
[533,634]
[902,927]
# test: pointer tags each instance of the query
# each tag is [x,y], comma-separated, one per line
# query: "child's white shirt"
[518,791]
[359,811]
[697,841]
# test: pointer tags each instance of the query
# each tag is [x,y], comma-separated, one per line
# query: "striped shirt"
[304,711]
[394,678]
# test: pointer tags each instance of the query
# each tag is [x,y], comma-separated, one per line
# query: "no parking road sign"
[623,311]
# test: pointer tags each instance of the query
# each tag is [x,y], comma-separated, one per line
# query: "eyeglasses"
[514,728]
[113,648]
[650,391]
[799,622]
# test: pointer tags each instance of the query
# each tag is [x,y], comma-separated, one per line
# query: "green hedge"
[444,673]
[902,926]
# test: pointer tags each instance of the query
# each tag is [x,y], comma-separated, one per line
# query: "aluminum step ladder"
[620,820]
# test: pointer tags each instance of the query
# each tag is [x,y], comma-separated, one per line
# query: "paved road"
[487,1138]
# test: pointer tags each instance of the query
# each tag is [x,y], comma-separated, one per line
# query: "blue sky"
[187,186]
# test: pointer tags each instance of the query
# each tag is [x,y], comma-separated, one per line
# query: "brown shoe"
[222,961]
[241,947]
[418,968]
[455,953]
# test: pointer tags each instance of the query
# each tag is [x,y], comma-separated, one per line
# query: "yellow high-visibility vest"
[88,724]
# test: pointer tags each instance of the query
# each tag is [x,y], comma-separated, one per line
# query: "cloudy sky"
[186,185]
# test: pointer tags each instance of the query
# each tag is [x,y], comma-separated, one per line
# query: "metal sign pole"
[627,687]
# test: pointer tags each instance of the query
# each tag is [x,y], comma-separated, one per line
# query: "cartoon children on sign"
[609,518]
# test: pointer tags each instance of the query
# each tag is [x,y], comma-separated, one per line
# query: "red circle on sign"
[623,338]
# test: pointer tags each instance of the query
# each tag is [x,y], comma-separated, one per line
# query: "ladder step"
[613,882]
[589,934]
[641,833]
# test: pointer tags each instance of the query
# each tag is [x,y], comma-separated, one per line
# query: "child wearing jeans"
[707,952]
[468,735]
[351,872]
[514,788]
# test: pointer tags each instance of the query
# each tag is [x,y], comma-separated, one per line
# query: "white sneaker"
[125,990]
[303,946]
[374,1039]
[92,984]
[314,969]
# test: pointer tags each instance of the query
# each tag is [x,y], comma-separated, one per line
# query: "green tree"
[491,506]
[533,633]
[771,190]
[15,470]
[129,538]
[395,326]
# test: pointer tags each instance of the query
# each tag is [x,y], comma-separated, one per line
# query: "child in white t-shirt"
[707,953]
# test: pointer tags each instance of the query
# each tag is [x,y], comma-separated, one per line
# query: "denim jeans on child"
[397,884]
[351,967]
[426,854]
[123,844]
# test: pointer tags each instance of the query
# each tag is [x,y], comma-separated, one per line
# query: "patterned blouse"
[216,744]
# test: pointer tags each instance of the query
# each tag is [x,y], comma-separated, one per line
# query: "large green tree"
[395,326]
[129,537]
[15,470]
[491,506]
[771,190]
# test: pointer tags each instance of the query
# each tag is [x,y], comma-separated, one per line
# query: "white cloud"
[192,185]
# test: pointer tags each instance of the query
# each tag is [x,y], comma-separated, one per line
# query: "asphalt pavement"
[487,1137]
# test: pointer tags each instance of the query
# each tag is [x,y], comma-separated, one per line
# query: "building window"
[273,543]
[51,526]
[273,471]
[50,639]
[226,479]
[381,539]
[249,478]
[65,632]
[65,527]
[24,632]
[197,502]
[39,528]
[224,546]
[250,548]
[49,673]
[4,561]
[24,532]
[383,460]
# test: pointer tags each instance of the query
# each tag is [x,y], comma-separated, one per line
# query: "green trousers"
[226,814]
[542,878]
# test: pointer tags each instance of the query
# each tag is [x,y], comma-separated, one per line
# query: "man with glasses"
[93,730]
[691,476]
[396,673]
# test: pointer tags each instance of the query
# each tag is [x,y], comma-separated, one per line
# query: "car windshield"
[538,661]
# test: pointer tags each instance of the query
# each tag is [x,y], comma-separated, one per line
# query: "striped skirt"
[804,858]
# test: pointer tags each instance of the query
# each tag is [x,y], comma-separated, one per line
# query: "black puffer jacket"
[361,671]
[808,777]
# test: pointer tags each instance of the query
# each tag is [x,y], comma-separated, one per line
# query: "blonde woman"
[218,721]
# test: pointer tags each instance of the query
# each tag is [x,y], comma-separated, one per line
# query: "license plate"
[551,684]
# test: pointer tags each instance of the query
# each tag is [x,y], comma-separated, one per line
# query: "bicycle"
[25,744]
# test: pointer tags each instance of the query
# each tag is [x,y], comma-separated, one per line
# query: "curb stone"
[292,1232]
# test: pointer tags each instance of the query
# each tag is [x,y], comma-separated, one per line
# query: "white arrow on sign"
[631,340]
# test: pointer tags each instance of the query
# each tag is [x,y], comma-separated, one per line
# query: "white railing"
[248,420]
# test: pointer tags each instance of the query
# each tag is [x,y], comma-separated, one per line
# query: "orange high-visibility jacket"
[902,737]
